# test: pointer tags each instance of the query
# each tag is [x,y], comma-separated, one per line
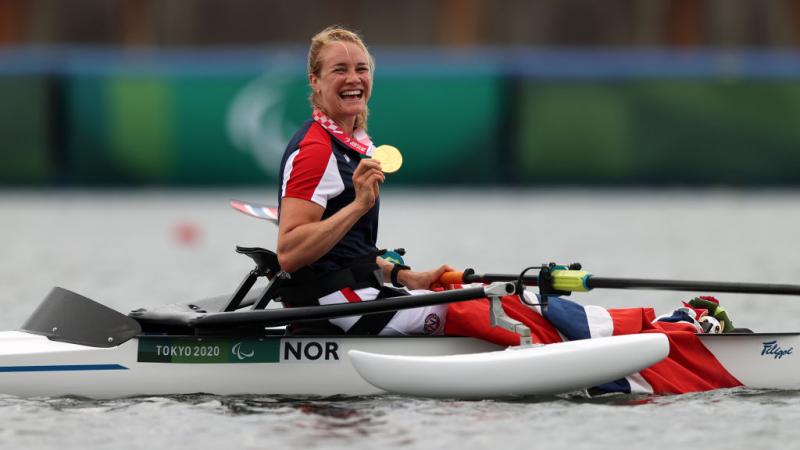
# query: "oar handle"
[452,278]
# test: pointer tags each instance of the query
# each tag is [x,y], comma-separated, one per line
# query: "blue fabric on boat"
[568,317]
[677,316]
[621,386]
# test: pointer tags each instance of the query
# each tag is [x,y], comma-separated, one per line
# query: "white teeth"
[355,92]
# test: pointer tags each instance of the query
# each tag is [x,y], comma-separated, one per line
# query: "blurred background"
[474,92]
[126,125]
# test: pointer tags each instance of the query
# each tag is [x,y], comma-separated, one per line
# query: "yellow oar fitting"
[571,280]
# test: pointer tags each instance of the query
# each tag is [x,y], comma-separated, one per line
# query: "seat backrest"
[266,260]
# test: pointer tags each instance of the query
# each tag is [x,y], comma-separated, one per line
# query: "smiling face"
[343,83]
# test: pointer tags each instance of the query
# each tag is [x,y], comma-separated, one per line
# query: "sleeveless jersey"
[317,167]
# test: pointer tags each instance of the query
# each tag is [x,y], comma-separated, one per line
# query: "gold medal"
[390,158]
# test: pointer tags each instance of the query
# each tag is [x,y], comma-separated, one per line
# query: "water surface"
[130,249]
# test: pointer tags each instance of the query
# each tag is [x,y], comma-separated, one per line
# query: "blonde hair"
[327,36]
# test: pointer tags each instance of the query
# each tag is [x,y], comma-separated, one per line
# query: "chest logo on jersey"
[432,323]
[309,351]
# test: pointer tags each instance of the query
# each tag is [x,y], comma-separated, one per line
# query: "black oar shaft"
[529,280]
[654,284]
[699,286]
[275,317]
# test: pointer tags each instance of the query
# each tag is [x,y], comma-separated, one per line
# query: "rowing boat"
[235,344]
[72,345]
[35,364]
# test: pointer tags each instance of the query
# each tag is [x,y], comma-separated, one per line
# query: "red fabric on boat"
[690,367]
[472,319]
[632,320]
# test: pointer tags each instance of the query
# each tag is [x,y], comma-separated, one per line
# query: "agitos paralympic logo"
[236,351]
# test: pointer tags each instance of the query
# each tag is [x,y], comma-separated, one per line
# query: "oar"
[582,281]
[275,317]
[256,210]
[571,280]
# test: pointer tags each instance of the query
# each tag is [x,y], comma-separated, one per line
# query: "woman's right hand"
[366,180]
[422,280]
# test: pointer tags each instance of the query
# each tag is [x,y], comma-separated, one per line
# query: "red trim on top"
[350,295]
[309,165]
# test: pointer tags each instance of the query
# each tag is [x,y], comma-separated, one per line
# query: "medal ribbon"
[360,147]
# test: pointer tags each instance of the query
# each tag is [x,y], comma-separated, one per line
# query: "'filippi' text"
[772,348]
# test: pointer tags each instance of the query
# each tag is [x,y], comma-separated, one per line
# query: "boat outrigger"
[235,344]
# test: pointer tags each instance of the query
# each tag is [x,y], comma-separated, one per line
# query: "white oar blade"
[543,370]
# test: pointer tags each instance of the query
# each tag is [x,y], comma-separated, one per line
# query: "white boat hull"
[759,360]
[32,365]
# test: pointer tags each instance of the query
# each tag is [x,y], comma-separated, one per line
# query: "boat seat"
[180,316]
[266,260]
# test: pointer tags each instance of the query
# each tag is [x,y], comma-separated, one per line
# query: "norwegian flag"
[690,367]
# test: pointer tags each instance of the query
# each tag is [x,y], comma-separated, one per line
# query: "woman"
[329,201]
[328,230]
